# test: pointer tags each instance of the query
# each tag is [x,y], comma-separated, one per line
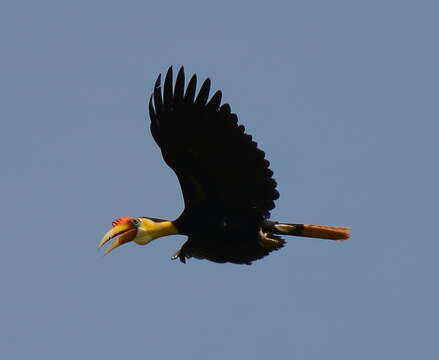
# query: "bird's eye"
[135,222]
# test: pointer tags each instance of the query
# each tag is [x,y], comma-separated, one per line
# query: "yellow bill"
[125,229]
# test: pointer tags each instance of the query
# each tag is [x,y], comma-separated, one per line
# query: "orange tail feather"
[314,231]
[326,232]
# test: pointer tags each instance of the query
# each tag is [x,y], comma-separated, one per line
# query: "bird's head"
[140,230]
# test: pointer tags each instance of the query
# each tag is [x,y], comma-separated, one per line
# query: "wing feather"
[190,91]
[203,94]
[167,91]
[218,165]
[215,101]
[179,86]
[158,102]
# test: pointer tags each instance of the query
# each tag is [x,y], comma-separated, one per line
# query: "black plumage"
[226,181]
[228,187]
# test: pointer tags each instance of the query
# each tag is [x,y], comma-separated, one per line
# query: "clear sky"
[342,96]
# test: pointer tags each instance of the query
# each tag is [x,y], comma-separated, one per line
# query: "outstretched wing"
[217,164]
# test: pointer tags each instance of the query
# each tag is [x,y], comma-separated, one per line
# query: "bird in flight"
[228,187]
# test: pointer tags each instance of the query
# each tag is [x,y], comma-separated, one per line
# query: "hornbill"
[226,181]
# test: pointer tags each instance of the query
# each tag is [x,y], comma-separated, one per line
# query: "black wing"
[217,164]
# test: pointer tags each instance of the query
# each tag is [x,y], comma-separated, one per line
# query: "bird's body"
[227,185]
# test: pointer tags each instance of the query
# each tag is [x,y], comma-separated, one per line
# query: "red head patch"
[122,220]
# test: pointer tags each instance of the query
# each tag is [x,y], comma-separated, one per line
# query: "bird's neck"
[153,229]
[163,228]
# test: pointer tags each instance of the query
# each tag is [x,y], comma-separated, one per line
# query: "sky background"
[343,98]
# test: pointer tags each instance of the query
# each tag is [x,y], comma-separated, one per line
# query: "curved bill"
[127,232]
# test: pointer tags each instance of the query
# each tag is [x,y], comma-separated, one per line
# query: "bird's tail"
[339,233]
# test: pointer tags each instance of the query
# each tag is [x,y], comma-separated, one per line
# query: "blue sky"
[342,96]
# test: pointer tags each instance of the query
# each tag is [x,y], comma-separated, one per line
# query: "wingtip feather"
[190,91]
[167,91]
[203,94]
